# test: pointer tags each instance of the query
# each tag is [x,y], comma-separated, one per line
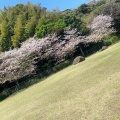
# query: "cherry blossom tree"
[100,27]
[18,63]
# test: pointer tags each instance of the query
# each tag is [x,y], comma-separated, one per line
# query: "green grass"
[87,91]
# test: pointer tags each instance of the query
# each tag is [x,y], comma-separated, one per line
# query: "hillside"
[87,91]
[33,39]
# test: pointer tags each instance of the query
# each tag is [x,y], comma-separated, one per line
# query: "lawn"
[89,90]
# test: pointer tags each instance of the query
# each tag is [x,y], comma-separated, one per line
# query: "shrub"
[61,65]
[52,27]
[3,95]
[110,39]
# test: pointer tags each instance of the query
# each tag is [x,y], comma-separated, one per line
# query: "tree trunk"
[82,51]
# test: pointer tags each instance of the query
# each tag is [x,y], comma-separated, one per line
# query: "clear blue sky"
[49,4]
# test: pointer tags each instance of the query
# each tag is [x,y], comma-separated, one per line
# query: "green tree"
[19,31]
[52,27]
[30,28]
[59,27]
[84,9]
[5,41]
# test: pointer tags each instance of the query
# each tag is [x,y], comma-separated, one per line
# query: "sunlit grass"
[89,90]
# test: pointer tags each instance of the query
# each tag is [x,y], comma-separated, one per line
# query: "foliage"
[50,28]
[72,21]
[62,65]
[18,24]
[18,31]
[30,28]
[18,63]
[100,27]
[100,2]
[84,8]
[5,42]
[111,8]
[110,39]
[75,22]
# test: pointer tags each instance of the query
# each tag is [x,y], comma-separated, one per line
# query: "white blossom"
[100,27]
[17,63]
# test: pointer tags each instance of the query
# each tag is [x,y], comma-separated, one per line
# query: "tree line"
[21,22]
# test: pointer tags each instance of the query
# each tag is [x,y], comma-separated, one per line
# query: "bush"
[3,95]
[61,65]
[110,39]
[52,27]
[84,9]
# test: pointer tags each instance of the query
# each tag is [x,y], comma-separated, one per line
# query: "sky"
[49,4]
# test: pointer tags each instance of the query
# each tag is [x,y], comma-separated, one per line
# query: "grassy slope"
[87,91]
